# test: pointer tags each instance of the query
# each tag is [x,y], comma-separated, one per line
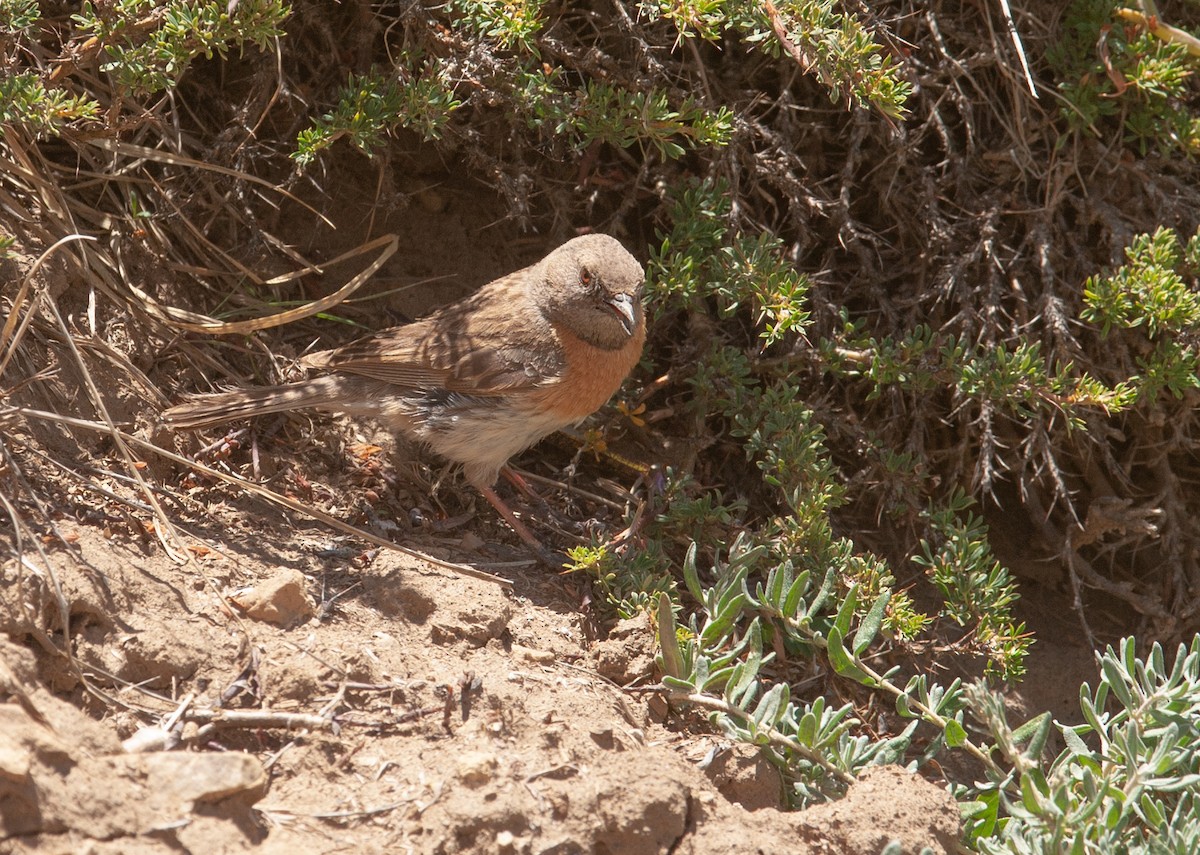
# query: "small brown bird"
[484,378]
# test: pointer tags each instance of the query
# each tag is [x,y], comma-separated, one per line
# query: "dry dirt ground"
[469,718]
[292,690]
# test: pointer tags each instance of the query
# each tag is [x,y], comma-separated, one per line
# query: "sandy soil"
[462,717]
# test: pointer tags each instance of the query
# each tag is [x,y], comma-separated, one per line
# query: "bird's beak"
[624,306]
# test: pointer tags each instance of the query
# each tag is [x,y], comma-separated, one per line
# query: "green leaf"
[824,593]
[1114,679]
[1129,654]
[747,670]
[842,663]
[806,731]
[1152,810]
[846,611]
[869,628]
[983,813]
[1174,785]
[729,609]
[774,588]
[690,577]
[1088,708]
[1075,744]
[668,639]
[956,735]
[1034,792]
[1035,731]
[796,590]
[766,714]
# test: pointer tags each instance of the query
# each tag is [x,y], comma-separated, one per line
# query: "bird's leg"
[520,483]
[519,527]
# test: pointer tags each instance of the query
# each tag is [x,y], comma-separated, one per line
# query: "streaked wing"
[467,348]
[492,371]
[408,376]
[400,356]
[482,371]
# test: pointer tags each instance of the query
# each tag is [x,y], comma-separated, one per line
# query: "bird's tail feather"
[203,410]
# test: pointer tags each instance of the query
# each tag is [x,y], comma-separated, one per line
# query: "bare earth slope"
[469,719]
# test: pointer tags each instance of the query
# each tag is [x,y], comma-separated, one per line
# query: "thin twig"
[258,719]
[1016,39]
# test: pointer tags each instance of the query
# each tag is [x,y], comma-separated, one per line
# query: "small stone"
[476,768]
[182,778]
[431,200]
[151,738]
[15,759]
[541,657]
[282,599]
[628,652]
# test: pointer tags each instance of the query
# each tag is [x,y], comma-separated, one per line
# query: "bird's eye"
[585,276]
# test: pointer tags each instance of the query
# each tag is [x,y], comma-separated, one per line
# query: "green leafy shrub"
[1117,64]
[25,100]
[143,45]
[1128,778]
[371,104]
[148,45]
[1157,294]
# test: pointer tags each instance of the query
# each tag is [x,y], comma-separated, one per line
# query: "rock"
[281,599]
[183,779]
[476,768]
[628,652]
